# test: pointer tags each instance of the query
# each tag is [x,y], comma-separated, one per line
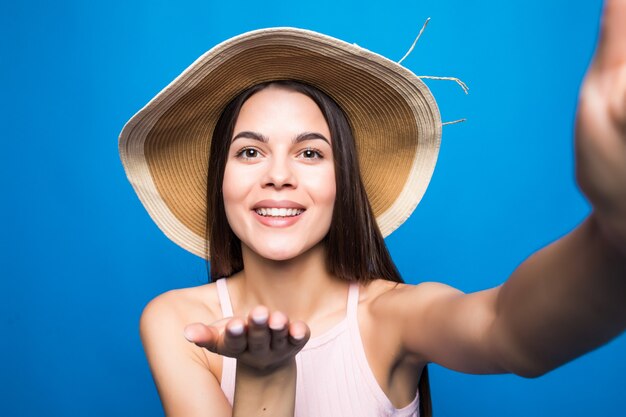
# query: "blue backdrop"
[80,257]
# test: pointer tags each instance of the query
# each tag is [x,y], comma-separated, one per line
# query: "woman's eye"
[311,154]
[248,153]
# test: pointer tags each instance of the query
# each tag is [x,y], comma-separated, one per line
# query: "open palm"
[263,340]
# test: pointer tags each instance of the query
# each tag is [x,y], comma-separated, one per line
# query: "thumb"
[611,51]
[202,335]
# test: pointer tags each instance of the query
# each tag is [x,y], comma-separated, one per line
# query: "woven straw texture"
[395,120]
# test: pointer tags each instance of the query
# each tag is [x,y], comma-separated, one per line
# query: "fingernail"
[276,326]
[259,317]
[298,335]
[188,335]
[235,329]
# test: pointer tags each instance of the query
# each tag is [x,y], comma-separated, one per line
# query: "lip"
[278,204]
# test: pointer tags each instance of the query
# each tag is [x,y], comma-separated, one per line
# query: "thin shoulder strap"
[353,301]
[222,294]
[229,365]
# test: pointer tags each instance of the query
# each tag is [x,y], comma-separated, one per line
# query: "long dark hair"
[355,248]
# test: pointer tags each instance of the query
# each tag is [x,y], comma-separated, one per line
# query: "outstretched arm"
[573,293]
[266,372]
[562,302]
[569,297]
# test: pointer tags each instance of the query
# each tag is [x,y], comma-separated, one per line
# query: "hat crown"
[394,117]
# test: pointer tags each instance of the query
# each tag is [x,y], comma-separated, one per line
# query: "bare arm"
[180,370]
[569,297]
[266,372]
[265,394]
[563,301]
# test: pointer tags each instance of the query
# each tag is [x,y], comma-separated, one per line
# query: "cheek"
[323,187]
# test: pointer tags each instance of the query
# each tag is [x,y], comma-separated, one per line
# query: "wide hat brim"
[395,121]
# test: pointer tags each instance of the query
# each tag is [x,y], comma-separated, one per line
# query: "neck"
[300,287]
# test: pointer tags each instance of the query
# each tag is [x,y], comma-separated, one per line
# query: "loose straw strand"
[459,82]
[414,42]
[453,122]
[456,80]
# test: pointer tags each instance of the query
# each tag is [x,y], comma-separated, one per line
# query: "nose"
[279,173]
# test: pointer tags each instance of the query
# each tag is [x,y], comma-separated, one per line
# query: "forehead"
[275,95]
[280,106]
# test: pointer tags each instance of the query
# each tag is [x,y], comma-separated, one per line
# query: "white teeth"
[278,212]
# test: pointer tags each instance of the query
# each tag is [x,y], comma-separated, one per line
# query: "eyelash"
[242,153]
[317,152]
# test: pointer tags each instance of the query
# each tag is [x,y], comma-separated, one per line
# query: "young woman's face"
[279,181]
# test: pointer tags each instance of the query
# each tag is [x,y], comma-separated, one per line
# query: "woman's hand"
[262,341]
[601,127]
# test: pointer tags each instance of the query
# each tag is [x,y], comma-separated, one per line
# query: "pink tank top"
[334,377]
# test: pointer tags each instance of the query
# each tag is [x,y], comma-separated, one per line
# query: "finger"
[611,49]
[258,330]
[278,330]
[202,335]
[299,333]
[235,337]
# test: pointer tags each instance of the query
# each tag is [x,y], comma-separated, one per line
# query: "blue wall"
[80,257]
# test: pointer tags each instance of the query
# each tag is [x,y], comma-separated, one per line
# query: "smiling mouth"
[278,212]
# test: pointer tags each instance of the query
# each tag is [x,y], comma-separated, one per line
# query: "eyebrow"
[261,138]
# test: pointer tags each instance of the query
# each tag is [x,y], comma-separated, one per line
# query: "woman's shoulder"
[178,365]
[384,297]
[381,289]
[383,308]
[183,306]
[391,308]
[164,319]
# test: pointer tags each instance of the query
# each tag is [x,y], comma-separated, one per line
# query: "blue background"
[80,257]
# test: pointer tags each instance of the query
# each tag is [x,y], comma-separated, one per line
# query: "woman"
[309,281]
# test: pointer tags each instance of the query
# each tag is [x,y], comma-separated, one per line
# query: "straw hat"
[395,120]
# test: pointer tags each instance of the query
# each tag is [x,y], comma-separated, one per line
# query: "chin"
[279,254]
[281,251]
